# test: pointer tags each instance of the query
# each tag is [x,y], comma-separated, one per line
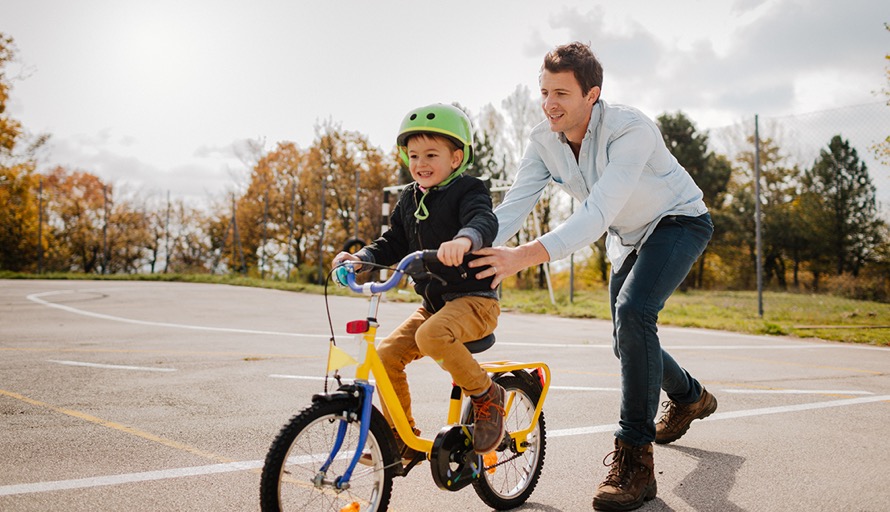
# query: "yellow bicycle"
[313,463]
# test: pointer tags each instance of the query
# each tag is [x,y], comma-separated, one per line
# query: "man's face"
[567,110]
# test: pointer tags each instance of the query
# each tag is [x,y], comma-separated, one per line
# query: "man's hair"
[579,59]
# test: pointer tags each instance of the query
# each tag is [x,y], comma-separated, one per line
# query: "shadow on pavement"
[708,486]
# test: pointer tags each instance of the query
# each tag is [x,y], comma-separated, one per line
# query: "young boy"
[450,212]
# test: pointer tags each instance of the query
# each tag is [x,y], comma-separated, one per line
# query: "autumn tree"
[304,204]
[20,247]
[269,206]
[342,165]
[75,204]
[19,218]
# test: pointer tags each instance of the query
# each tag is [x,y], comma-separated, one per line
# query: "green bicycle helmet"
[439,119]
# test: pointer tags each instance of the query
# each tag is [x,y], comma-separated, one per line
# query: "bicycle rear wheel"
[292,478]
[510,480]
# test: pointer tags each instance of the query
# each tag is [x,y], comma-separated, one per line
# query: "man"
[613,160]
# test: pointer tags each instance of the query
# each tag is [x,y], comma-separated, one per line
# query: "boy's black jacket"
[463,203]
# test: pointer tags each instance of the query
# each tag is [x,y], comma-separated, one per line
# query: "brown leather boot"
[631,478]
[676,418]
[488,414]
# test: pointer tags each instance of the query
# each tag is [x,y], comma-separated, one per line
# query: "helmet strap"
[422,213]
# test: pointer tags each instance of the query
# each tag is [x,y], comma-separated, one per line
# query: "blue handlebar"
[375,287]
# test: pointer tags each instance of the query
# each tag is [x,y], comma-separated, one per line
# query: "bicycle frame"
[370,364]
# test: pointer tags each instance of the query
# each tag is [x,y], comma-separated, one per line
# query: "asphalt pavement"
[149,396]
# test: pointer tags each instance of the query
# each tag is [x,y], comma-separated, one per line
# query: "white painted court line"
[113,366]
[308,377]
[612,389]
[147,476]
[733,414]
[795,391]
[81,483]
[581,388]
[669,347]
[36,297]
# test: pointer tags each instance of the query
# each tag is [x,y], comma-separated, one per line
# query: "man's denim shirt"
[625,179]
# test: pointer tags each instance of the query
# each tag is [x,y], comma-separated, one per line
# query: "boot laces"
[669,415]
[483,407]
[620,473]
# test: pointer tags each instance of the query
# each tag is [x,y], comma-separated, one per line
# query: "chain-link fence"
[801,137]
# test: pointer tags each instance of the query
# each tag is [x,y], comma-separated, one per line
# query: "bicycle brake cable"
[327,307]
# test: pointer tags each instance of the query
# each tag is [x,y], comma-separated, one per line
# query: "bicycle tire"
[510,481]
[305,443]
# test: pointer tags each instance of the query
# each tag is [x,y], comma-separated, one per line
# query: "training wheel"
[453,462]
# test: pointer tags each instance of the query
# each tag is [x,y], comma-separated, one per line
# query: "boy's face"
[431,160]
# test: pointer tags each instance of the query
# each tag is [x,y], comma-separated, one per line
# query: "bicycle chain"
[516,456]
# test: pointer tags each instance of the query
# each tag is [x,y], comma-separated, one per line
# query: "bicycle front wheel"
[509,480]
[293,476]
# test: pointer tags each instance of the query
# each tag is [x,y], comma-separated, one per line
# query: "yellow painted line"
[119,427]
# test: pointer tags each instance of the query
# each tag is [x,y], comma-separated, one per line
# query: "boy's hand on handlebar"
[344,257]
[451,253]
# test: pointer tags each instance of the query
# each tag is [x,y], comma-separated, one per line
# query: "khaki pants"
[440,336]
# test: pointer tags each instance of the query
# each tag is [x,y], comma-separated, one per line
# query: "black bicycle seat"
[480,345]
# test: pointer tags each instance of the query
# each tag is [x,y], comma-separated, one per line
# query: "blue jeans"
[638,292]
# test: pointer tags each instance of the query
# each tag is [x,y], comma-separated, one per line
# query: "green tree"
[844,223]
[710,171]
[778,191]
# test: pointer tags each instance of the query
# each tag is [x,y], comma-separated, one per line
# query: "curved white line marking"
[36,297]
[112,366]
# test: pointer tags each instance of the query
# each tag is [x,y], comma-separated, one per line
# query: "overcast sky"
[157,94]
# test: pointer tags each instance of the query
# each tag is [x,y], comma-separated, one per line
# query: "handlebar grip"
[429,256]
[341,275]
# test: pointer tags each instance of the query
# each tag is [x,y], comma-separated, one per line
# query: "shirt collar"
[595,114]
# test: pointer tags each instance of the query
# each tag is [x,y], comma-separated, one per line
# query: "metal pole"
[290,239]
[105,231]
[324,188]
[265,223]
[40,226]
[356,205]
[167,236]
[572,263]
[758,239]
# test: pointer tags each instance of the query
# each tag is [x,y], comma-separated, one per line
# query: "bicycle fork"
[365,392]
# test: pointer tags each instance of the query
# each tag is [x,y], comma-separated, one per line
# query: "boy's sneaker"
[488,411]
[676,418]
[408,453]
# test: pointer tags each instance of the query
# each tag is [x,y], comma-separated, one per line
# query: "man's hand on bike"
[503,262]
[451,253]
